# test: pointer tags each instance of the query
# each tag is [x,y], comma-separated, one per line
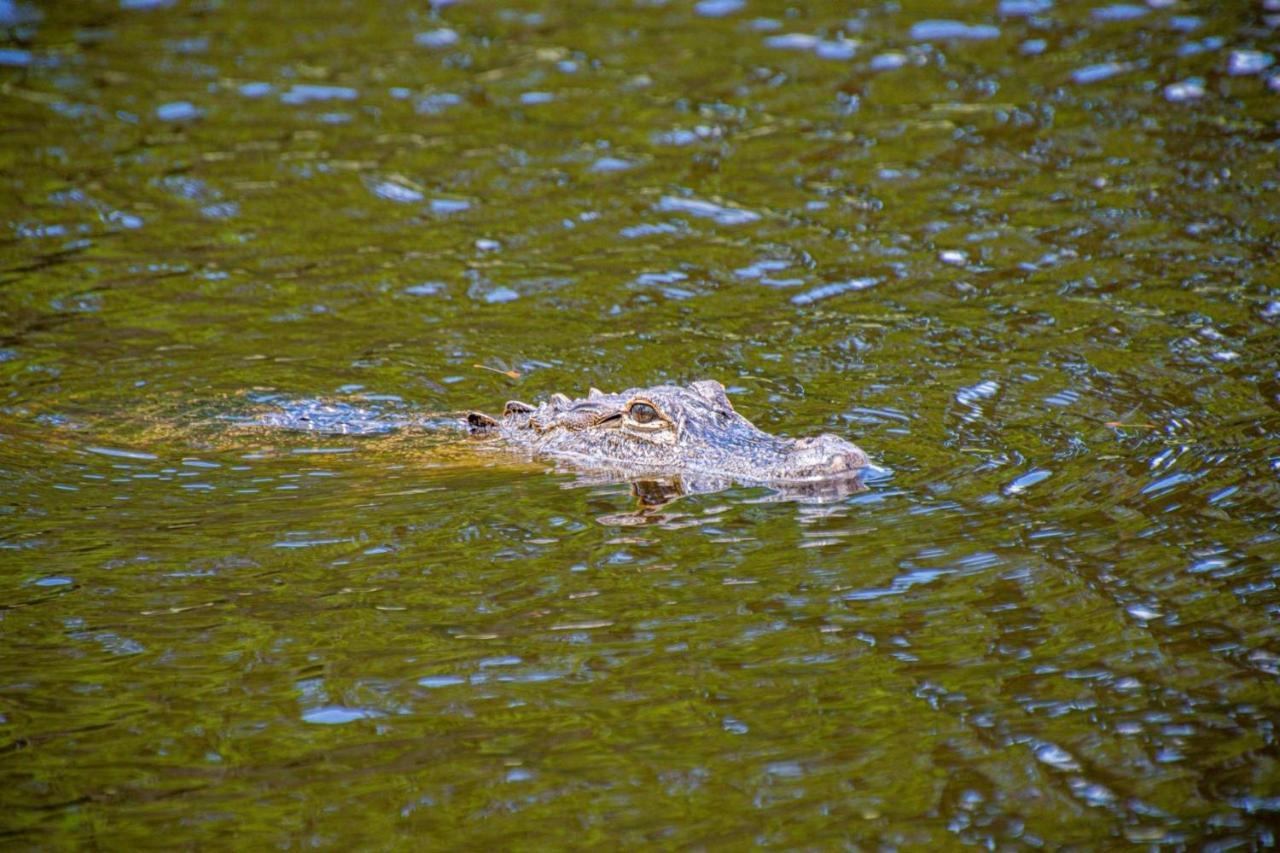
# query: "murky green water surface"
[1027,259]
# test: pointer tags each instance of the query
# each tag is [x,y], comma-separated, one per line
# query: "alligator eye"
[642,413]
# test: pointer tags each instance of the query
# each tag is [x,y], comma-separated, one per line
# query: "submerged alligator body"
[669,430]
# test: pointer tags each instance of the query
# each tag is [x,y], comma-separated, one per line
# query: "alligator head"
[669,430]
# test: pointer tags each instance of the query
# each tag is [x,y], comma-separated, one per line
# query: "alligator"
[676,439]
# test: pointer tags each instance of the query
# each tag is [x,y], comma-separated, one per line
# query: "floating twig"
[510,374]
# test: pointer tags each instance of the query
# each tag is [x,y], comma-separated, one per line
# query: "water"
[996,249]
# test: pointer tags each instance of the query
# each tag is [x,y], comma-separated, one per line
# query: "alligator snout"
[822,456]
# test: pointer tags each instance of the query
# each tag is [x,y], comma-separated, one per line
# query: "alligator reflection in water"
[667,440]
[654,494]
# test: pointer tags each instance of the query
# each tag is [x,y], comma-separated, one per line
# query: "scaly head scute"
[714,393]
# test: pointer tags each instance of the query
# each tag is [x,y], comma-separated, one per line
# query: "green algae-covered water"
[1024,253]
